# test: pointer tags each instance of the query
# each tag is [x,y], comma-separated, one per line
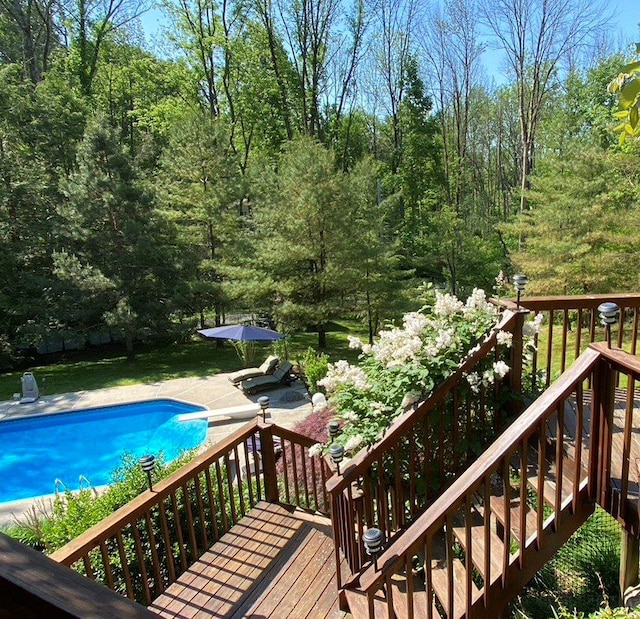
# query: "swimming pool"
[36,451]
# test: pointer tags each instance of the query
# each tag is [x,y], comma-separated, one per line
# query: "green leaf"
[629,93]
[637,48]
[632,67]
[633,116]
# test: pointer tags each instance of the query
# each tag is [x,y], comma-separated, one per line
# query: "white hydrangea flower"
[315,450]
[505,338]
[478,302]
[379,407]
[474,381]
[366,349]
[488,378]
[350,416]
[414,323]
[501,280]
[353,443]
[500,369]
[396,347]
[410,398]
[355,342]
[446,305]
[342,373]
[444,338]
[532,327]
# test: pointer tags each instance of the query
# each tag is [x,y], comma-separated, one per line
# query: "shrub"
[72,513]
[315,366]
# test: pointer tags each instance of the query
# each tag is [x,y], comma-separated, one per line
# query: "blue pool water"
[36,451]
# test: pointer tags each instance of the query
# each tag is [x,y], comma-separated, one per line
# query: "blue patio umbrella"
[241,333]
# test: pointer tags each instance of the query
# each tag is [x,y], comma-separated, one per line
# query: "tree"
[117,239]
[200,189]
[582,234]
[536,36]
[303,225]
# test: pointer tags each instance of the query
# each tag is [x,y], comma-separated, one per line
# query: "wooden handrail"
[622,360]
[137,507]
[574,302]
[145,545]
[404,422]
[470,480]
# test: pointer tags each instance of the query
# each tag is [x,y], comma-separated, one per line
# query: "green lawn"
[86,370]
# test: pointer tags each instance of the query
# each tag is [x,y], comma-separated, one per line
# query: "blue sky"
[627,16]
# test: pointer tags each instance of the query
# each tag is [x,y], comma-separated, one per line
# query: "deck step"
[359,606]
[440,583]
[479,548]
[551,477]
[497,506]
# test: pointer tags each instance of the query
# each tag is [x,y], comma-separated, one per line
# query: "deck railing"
[570,324]
[562,437]
[390,484]
[145,545]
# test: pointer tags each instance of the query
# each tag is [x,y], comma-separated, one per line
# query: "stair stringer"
[500,595]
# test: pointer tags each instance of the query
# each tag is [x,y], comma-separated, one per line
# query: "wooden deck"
[276,562]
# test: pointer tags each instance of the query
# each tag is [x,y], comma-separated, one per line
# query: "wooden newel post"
[268,462]
[629,561]
[517,352]
[602,400]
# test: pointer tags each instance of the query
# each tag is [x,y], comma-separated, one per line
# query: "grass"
[108,367]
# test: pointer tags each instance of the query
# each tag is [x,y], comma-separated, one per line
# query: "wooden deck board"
[277,562]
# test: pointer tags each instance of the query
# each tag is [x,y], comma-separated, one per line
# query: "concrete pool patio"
[287,406]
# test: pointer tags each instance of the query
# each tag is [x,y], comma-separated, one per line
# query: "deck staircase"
[472,551]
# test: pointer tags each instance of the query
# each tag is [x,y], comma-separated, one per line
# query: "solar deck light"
[519,283]
[147,463]
[333,429]
[336,451]
[608,316]
[263,400]
[372,540]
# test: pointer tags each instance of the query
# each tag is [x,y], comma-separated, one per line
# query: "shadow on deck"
[278,561]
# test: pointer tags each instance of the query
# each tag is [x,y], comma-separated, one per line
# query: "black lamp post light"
[336,451]
[264,405]
[372,539]
[519,283]
[608,316]
[147,463]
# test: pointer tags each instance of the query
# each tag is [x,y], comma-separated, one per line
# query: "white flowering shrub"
[406,363]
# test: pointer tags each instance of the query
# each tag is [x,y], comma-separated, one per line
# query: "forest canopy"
[305,160]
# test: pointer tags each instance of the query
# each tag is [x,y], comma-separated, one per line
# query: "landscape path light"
[608,316]
[147,464]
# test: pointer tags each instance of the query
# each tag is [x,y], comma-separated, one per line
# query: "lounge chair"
[267,367]
[30,391]
[269,381]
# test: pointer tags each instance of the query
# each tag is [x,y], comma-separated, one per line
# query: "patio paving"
[287,406]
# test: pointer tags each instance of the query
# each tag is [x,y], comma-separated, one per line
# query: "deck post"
[602,402]
[515,373]
[629,561]
[268,462]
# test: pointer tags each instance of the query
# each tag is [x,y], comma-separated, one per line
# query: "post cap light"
[372,540]
[608,313]
[263,400]
[336,451]
[520,282]
[333,429]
